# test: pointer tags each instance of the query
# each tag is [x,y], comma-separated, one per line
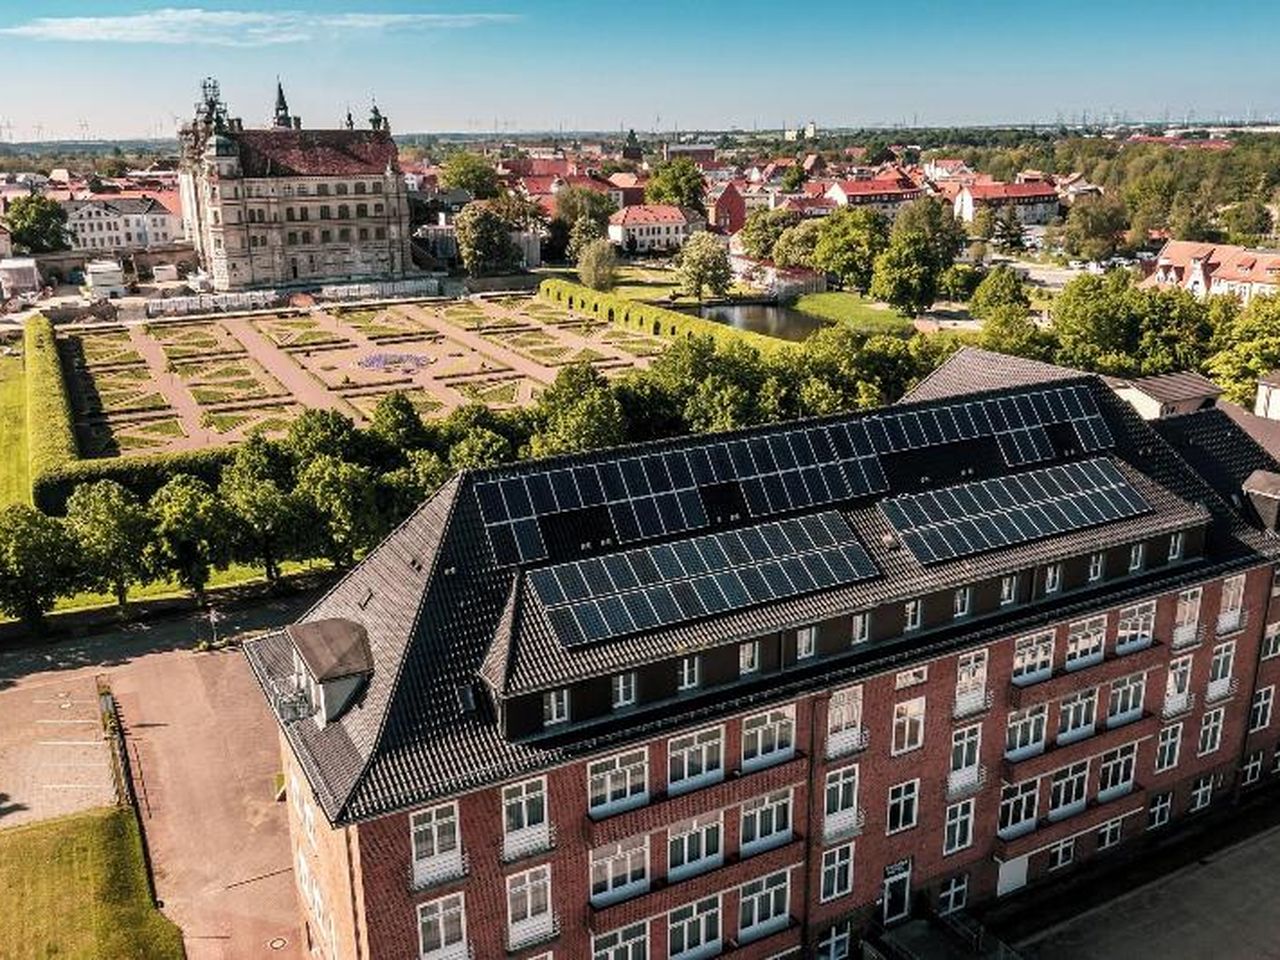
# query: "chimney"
[297,123]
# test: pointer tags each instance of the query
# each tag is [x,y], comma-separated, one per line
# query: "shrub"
[143,475]
[51,437]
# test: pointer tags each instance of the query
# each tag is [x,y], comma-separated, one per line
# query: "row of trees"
[329,489]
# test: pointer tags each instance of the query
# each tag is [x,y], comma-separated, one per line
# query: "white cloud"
[234,28]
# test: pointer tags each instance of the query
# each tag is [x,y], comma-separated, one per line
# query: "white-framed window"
[837,872]
[1109,833]
[555,707]
[694,930]
[694,760]
[911,615]
[957,833]
[748,658]
[689,673]
[529,916]
[1033,657]
[1260,708]
[908,725]
[1115,772]
[911,678]
[1251,771]
[626,943]
[624,690]
[834,944]
[1201,793]
[1271,639]
[961,602]
[1085,642]
[1097,566]
[1137,557]
[1024,734]
[694,846]
[1137,626]
[971,682]
[1077,715]
[1062,853]
[619,782]
[1125,702]
[860,631]
[953,895]
[1008,589]
[1177,686]
[1176,543]
[1067,790]
[525,823]
[766,822]
[1168,746]
[1230,610]
[966,748]
[764,906]
[1019,803]
[768,737]
[1053,578]
[1211,731]
[904,806]
[844,721]
[619,870]
[442,928]
[840,802]
[437,846]
[1186,620]
[1158,811]
[806,642]
[1220,667]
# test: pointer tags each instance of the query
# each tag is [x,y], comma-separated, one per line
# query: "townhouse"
[653,227]
[1207,269]
[885,196]
[1034,202]
[758,694]
[120,224]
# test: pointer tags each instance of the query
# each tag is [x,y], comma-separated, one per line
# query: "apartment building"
[1034,202]
[120,224]
[759,694]
[653,227]
[287,206]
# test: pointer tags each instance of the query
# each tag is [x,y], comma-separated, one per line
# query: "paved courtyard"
[1222,907]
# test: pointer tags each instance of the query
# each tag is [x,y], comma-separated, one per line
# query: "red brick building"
[761,694]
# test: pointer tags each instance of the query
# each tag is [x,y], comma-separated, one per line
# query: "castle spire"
[282,118]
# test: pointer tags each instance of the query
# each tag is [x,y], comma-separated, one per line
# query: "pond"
[771,319]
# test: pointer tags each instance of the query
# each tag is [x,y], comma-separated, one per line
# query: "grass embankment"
[76,888]
[15,481]
[863,315]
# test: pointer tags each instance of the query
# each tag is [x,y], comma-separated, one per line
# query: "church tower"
[282,119]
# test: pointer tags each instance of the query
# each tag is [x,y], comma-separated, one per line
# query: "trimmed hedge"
[649,319]
[51,436]
[143,475]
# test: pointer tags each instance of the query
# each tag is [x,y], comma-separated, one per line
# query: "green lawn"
[845,307]
[76,888]
[15,486]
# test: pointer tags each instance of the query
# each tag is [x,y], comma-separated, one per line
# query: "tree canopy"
[704,265]
[38,224]
[468,171]
[484,241]
[677,182]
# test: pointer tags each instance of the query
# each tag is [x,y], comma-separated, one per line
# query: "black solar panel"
[596,599]
[958,521]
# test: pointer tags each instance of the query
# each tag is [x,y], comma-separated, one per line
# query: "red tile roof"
[1011,191]
[645,213]
[315,153]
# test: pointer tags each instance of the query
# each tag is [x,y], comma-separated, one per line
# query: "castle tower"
[282,118]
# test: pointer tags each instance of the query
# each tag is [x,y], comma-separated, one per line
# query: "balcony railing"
[1230,621]
[454,951]
[1186,635]
[844,824]
[971,702]
[526,843]
[290,702]
[434,871]
[1221,688]
[1132,641]
[1177,703]
[528,933]
[848,741]
[961,783]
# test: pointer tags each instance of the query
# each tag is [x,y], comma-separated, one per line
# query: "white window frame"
[622,779]
[1168,747]
[1271,638]
[1159,810]
[1125,699]
[748,658]
[1177,686]
[1052,578]
[912,615]
[555,707]
[860,628]
[1231,605]
[844,721]
[1137,556]
[1025,731]
[1136,626]
[1077,716]
[912,677]
[1008,589]
[699,843]
[806,643]
[837,873]
[971,682]
[526,819]
[1177,541]
[529,893]
[957,831]
[1186,619]
[1068,790]
[707,745]
[1116,770]
[435,837]
[612,875]
[1260,708]
[1210,739]
[448,944]
[701,918]
[1221,666]
[1033,657]
[1251,769]
[1019,808]
[1201,793]
[1097,566]
[1062,854]
[840,802]
[623,686]
[905,797]
[764,906]
[689,673]
[953,896]
[961,603]
[769,737]
[1086,642]
[908,726]
[772,812]
[626,943]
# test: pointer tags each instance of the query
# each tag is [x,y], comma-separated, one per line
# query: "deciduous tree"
[256,488]
[679,182]
[471,172]
[342,497]
[795,246]
[761,231]
[192,535]
[484,241]
[598,265]
[584,231]
[37,223]
[848,243]
[1001,287]
[704,264]
[906,274]
[38,563]
[112,529]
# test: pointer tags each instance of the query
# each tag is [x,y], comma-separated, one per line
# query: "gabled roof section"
[315,153]
[972,370]
[332,648]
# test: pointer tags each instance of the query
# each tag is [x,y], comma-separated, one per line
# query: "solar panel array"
[650,587]
[988,514]
[789,468]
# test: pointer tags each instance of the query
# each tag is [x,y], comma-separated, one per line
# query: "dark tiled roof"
[972,369]
[332,648]
[315,153]
[1217,448]
[1176,387]
[1264,431]
[451,634]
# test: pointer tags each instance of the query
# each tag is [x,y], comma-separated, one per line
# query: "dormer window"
[1097,564]
[911,615]
[1053,578]
[624,690]
[555,707]
[748,658]
[331,665]
[806,642]
[960,602]
[1137,556]
[1008,589]
[689,674]
[1175,546]
[861,631]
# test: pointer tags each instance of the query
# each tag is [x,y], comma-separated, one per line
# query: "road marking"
[68,743]
[72,786]
[66,721]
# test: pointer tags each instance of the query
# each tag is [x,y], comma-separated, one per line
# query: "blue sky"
[129,68]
